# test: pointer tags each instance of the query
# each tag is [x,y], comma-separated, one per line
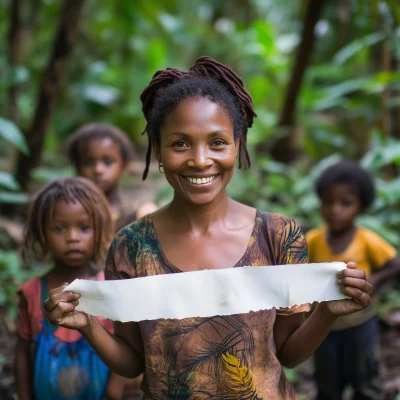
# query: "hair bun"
[159,80]
[208,67]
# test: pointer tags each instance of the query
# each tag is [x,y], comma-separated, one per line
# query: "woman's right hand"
[60,309]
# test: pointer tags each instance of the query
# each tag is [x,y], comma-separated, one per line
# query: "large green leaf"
[101,94]
[348,51]
[13,198]
[10,132]
[7,181]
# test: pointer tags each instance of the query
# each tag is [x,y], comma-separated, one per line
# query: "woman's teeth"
[200,181]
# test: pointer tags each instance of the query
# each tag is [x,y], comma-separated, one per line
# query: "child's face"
[198,150]
[340,206]
[69,234]
[101,161]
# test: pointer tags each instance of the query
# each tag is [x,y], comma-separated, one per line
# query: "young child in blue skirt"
[70,223]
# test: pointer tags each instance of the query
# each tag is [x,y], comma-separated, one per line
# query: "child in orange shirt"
[348,355]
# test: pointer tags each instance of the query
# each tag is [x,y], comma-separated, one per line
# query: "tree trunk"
[15,36]
[23,20]
[50,86]
[285,149]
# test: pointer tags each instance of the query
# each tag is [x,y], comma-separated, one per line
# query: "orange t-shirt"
[367,249]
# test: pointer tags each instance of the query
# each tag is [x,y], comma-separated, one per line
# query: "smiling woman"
[198,154]
[197,124]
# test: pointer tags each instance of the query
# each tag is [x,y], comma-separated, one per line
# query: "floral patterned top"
[221,357]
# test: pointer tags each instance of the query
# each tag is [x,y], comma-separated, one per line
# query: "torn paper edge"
[208,293]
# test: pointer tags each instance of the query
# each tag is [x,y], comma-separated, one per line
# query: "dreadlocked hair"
[69,190]
[206,78]
[98,131]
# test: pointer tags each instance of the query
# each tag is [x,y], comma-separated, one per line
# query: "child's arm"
[295,342]
[389,270]
[118,351]
[22,370]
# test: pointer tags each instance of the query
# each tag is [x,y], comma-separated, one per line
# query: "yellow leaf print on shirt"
[289,257]
[241,378]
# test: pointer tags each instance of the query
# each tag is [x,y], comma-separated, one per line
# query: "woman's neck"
[200,217]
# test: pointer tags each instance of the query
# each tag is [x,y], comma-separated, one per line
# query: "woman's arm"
[117,351]
[22,370]
[295,342]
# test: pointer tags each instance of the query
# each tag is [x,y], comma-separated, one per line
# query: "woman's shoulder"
[276,221]
[283,236]
[136,231]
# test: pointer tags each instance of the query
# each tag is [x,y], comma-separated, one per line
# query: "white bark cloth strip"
[209,293]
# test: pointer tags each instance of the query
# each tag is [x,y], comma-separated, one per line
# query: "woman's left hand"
[353,284]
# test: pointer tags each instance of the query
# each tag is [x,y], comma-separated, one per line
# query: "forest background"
[324,76]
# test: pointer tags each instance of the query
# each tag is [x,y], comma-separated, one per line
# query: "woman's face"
[198,150]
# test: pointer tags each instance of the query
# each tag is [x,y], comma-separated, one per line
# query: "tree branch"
[285,149]
[50,86]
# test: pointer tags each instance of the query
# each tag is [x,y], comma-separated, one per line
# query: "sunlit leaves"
[348,51]
[100,94]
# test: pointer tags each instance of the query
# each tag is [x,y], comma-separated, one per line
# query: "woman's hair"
[98,131]
[206,78]
[69,190]
[351,174]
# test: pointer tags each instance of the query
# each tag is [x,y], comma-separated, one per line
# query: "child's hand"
[352,282]
[60,309]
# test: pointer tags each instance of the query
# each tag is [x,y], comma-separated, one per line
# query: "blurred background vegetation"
[324,76]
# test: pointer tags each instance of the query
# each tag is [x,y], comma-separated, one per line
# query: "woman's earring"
[160,165]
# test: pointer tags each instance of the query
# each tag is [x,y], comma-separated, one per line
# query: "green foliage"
[11,133]
[12,275]
[122,44]
[7,181]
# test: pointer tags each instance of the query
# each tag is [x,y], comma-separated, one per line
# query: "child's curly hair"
[70,190]
[348,173]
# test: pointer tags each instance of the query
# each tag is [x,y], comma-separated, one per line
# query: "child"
[348,356]
[197,124]
[69,222]
[102,153]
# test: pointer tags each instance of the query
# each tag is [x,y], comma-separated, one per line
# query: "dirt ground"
[390,357]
